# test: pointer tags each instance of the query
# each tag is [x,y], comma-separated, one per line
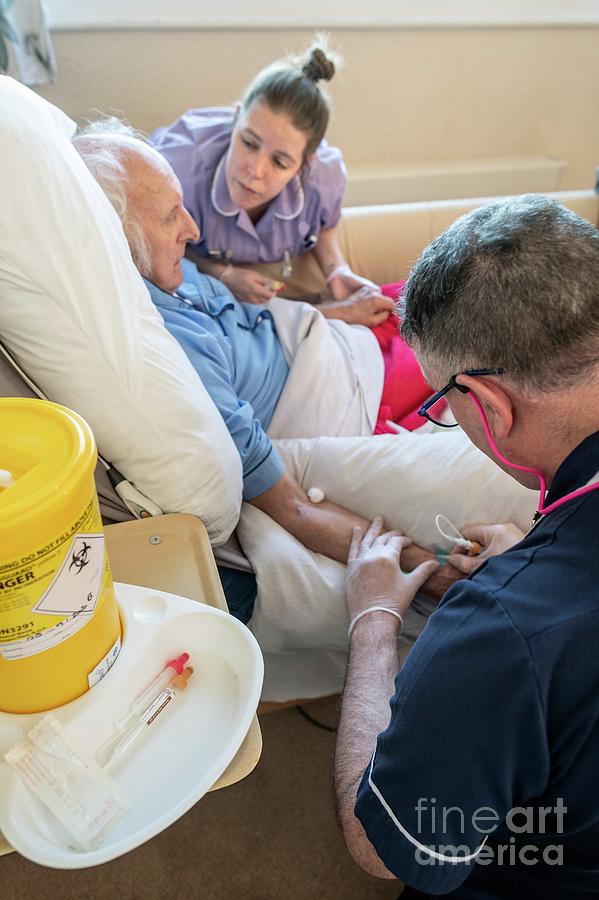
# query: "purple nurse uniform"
[196,146]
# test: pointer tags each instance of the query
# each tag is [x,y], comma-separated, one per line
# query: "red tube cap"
[178,664]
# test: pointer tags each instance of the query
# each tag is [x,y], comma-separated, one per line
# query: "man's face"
[156,200]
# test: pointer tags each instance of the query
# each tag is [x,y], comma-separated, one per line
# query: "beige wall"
[404,96]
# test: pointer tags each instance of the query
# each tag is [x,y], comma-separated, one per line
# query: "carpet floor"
[272,836]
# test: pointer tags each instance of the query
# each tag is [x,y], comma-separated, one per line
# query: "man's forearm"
[322,527]
[327,528]
[373,664]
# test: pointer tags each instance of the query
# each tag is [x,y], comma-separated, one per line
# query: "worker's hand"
[374,576]
[365,307]
[494,539]
[249,286]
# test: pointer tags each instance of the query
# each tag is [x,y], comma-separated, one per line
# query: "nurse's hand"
[249,286]
[364,307]
[342,282]
[374,576]
[494,540]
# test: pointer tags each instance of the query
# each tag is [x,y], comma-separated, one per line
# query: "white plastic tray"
[179,758]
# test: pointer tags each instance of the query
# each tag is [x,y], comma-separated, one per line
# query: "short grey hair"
[514,284]
[103,157]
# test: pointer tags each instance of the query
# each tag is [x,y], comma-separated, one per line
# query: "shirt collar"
[218,299]
[580,467]
[211,299]
[286,206]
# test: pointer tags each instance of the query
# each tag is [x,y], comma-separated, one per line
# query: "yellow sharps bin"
[59,624]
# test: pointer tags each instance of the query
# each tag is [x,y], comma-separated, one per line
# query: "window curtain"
[26,50]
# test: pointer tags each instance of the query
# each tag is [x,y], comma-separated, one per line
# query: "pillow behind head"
[77,317]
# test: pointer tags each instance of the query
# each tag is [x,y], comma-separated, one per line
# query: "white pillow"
[79,320]
[408,478]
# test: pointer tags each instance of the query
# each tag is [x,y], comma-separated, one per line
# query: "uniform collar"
[219,192]
[581,467]
[286,206]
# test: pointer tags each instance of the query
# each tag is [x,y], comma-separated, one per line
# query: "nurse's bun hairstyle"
[290,86]
[318,66]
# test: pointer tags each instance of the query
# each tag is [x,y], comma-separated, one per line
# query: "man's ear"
[497,403]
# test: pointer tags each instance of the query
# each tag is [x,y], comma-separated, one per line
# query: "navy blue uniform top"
[486,781]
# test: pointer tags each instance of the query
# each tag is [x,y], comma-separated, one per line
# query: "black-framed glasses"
[435,409]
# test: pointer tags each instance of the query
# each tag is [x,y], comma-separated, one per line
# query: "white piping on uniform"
[213,190]
[408,836]
[222,212]
[295,214]
[592,480]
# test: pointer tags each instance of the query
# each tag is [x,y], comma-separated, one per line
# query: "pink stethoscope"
[542,510]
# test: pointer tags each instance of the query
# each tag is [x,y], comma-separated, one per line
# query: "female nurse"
[266,190]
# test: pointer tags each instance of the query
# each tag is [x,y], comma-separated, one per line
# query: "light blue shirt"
[235,350]
[196,146]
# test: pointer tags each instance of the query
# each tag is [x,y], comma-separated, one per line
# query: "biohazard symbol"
[79,559]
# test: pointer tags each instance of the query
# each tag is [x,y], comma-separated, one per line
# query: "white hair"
[101,153]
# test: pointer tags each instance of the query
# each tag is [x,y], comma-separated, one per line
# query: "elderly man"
[233,346]
[482,781]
